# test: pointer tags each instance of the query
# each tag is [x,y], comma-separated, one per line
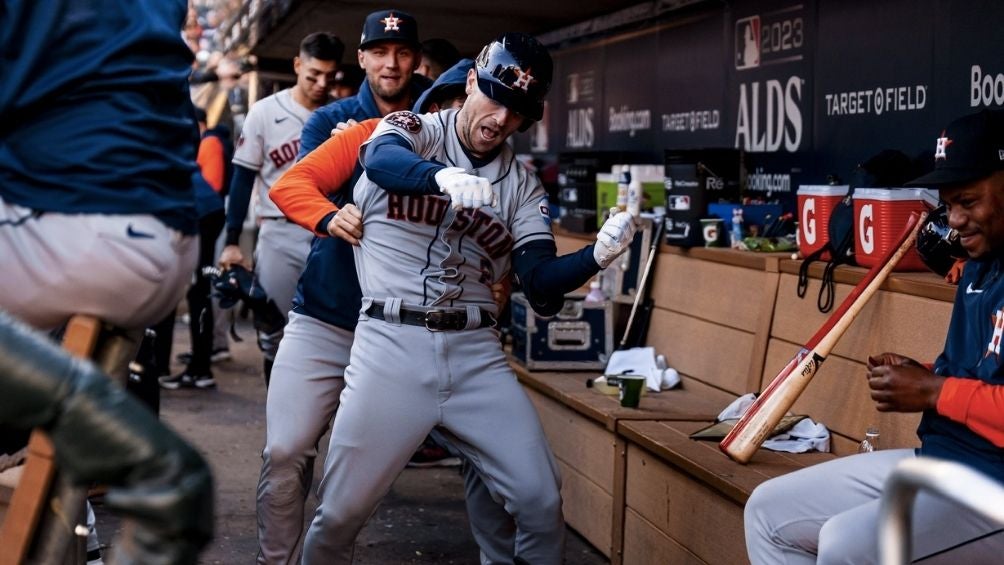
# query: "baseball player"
[828,513]
[447,210]
[315,346]
[269,142]
[303,195]
[94,219]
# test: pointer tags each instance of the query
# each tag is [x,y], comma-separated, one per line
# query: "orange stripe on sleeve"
[210,160]
[976,404]
[301,193]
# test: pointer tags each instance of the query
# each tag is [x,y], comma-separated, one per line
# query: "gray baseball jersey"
[464,251]
[417,250]
[269,143]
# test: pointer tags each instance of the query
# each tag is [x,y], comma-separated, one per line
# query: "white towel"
[643,361]
[804,436]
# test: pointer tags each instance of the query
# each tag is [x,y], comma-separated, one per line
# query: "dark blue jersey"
[96,110]
[972,350]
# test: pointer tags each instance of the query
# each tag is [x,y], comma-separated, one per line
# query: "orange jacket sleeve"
[301,193]
[976,404]
[210,160]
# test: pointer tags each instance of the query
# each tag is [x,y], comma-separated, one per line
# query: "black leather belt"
[434,319]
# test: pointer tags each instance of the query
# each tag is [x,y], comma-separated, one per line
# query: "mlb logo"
[678,202]
[748,43]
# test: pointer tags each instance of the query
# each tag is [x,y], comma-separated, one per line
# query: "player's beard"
[387,94]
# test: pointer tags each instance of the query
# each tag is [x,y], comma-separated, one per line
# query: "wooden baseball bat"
[642,290]
[759,420]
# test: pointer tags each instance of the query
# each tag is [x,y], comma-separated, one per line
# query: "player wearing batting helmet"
[447,211]
[303,194]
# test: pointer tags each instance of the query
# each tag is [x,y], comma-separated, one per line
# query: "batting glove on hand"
[615,236]
[465,190]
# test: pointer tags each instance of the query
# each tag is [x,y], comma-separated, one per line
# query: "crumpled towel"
[643,361]
[804,436]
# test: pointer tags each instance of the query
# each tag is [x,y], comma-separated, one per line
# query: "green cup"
[630,390]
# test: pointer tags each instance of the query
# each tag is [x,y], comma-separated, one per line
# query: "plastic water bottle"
[623,187]
[595,293]
[871,441]
[634,194]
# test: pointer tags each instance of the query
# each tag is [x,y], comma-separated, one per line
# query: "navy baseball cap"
[970,148]
[390,25]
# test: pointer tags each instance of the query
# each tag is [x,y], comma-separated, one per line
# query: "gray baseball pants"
[302,400]
[403,381]
[129,270]
[280,257]
[828,513]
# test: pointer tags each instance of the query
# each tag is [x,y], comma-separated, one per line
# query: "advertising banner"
[874,86]
[629,85]
[691,92]
[577,108]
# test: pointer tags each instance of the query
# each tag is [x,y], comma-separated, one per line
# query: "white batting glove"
[614,238]
[465,190]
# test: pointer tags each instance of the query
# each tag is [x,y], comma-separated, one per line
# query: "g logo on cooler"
[866,229]
[809,220]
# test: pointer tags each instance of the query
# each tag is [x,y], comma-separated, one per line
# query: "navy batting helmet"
[938,244]
[515,70]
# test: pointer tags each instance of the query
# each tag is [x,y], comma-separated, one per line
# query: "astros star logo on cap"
[942,145]
[390,22]
[523,79]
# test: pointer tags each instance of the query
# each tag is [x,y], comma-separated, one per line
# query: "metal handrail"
[953,481]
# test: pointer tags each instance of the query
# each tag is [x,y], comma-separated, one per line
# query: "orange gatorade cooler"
[880,214]
[815,204]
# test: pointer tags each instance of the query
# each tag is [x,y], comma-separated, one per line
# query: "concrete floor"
[422,520]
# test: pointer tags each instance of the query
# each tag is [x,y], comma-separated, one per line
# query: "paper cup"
[713,230]
[630,390]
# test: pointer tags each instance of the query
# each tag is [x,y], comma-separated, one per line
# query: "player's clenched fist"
[347,224]
[465,190]
[615,236]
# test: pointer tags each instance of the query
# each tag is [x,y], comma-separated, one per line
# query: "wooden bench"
[581,427]
[727,321]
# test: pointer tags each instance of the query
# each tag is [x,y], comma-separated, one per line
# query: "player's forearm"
[976,404]
[301,198]
[210,160]
[238,202]
[392,165]
[547,278]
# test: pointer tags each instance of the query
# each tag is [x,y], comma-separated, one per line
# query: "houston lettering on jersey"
[485,229]
[285,153]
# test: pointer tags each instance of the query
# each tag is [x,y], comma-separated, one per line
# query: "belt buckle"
[442,320]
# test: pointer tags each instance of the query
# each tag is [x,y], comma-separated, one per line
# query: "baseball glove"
[237,284]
